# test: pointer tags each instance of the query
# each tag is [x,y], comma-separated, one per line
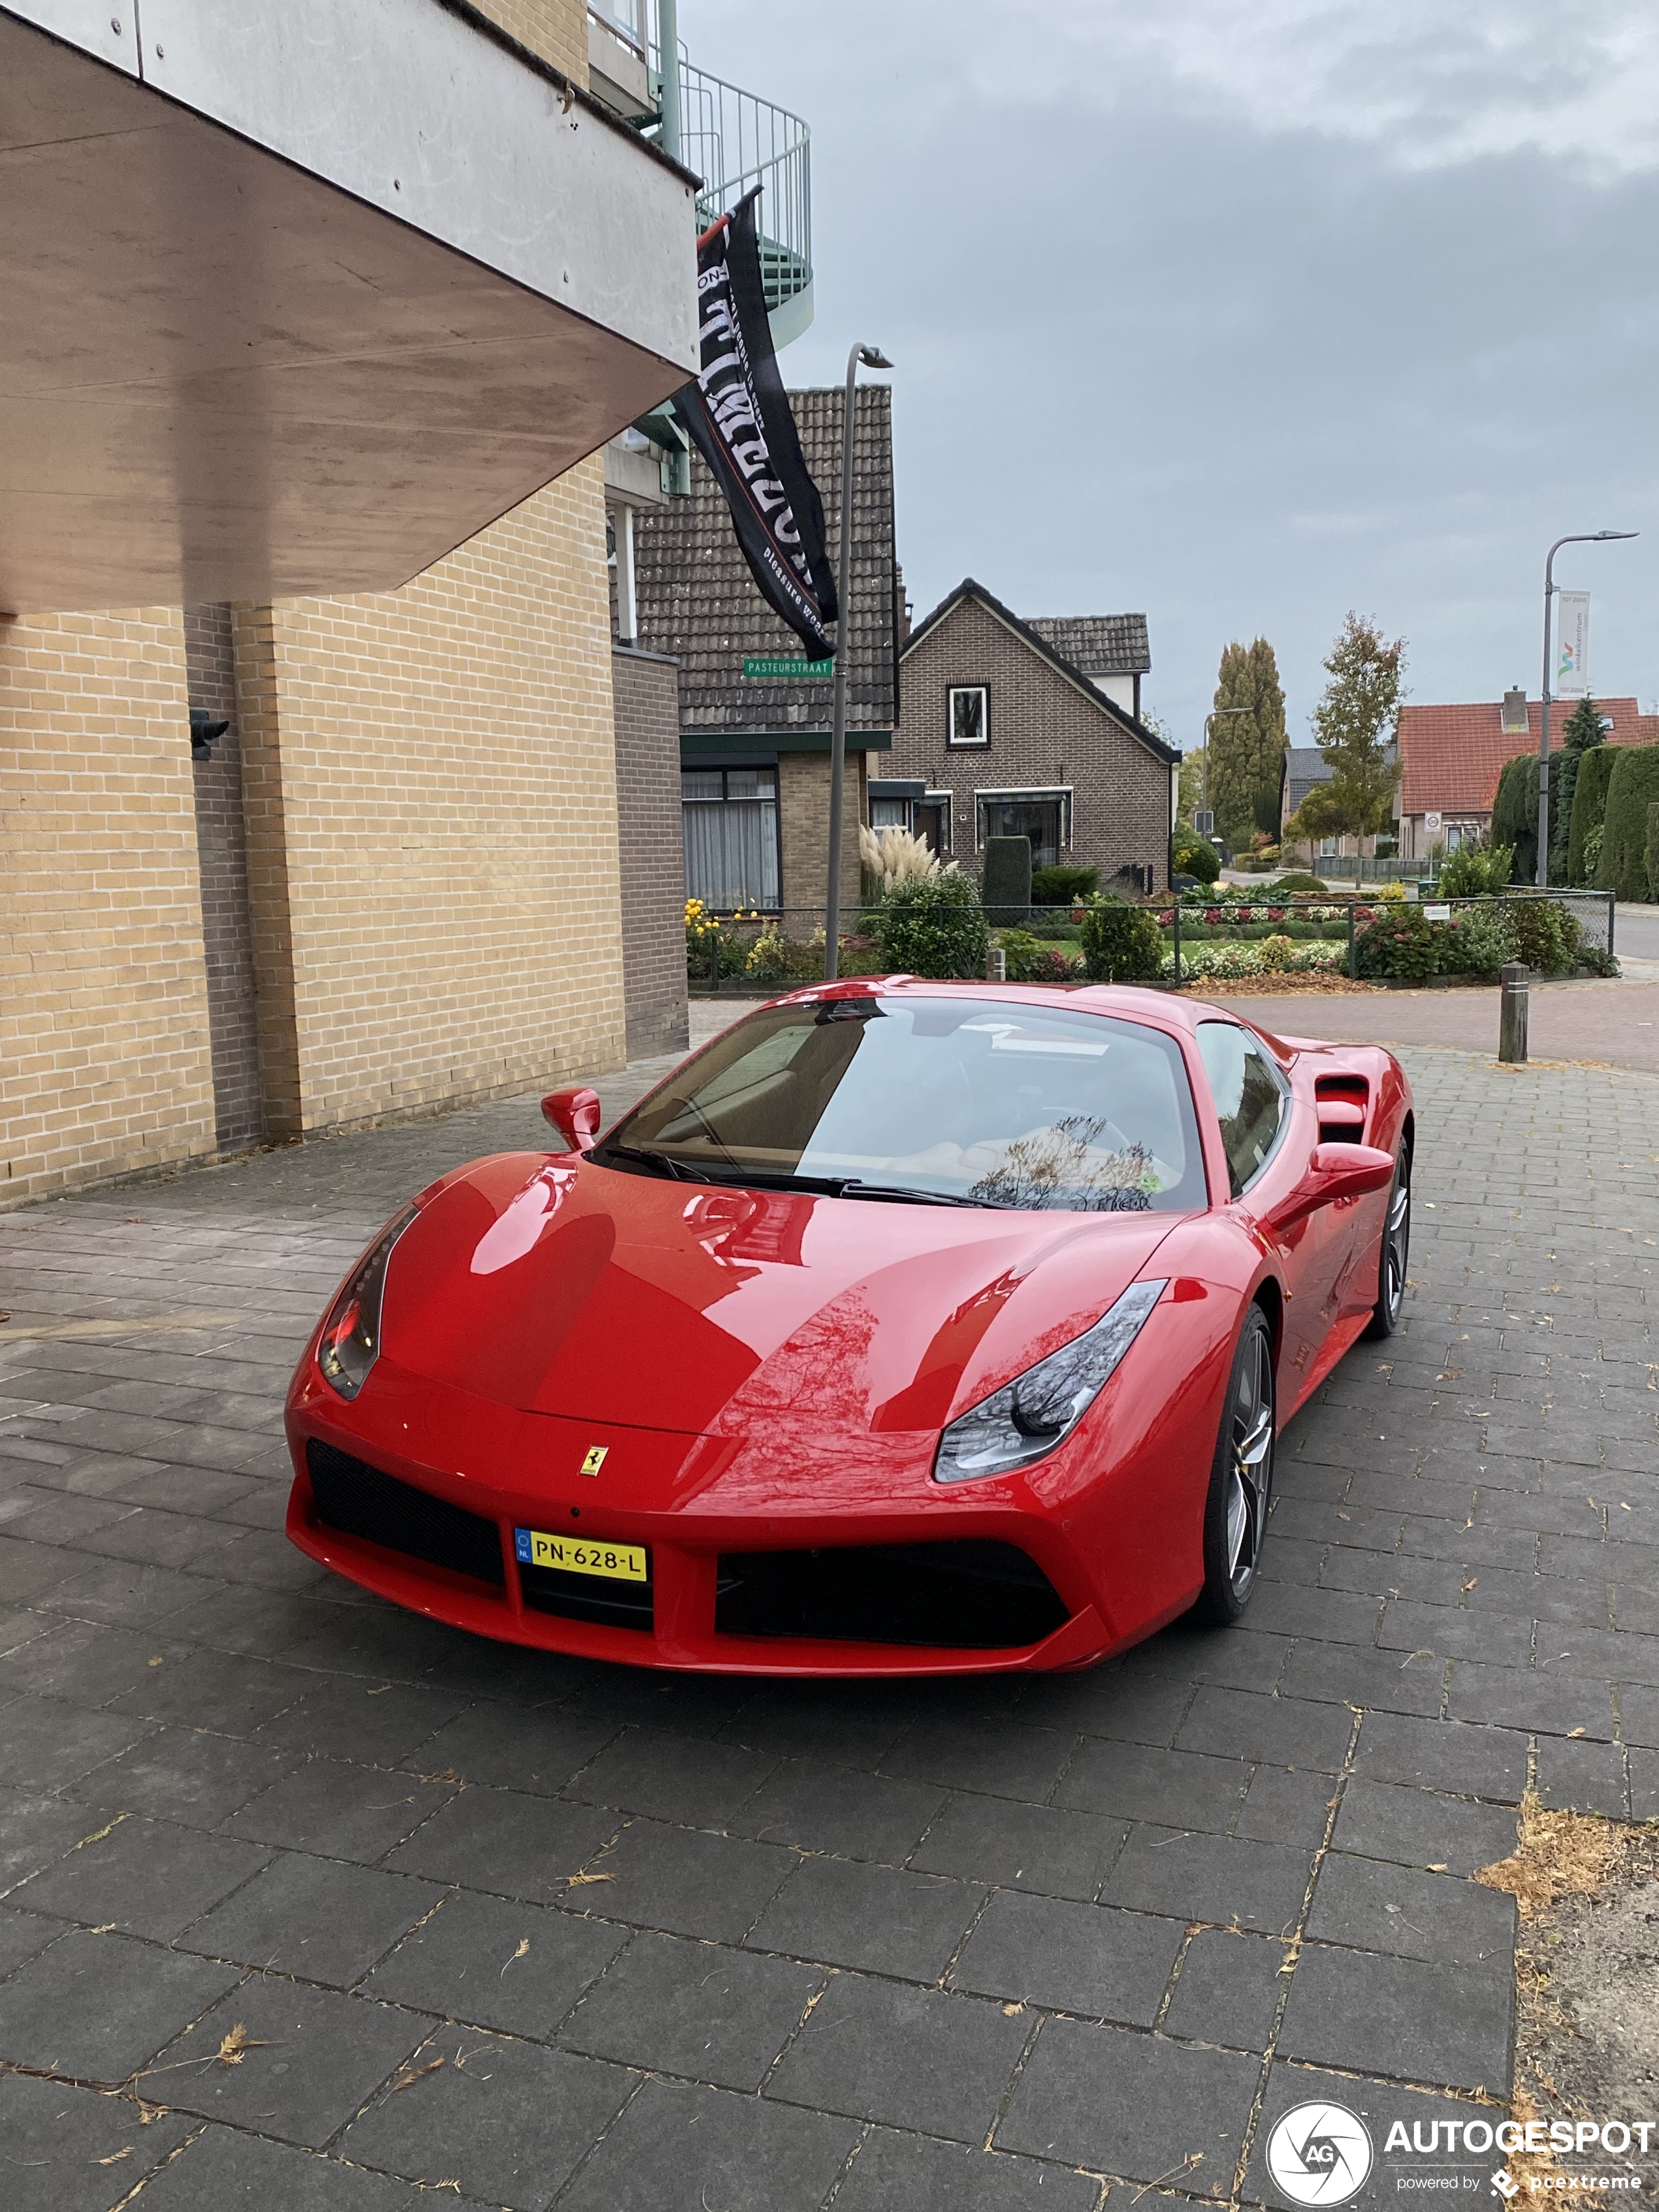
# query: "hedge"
[1633,787]
[1121,944]
[933,926]
[1515,816]
[1653,849]
[1589,807]
[1062,886]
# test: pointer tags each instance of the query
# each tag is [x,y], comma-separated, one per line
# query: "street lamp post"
[1583,538]
[870,357]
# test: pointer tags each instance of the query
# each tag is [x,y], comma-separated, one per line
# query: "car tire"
[1240,1480]
[1396,1256]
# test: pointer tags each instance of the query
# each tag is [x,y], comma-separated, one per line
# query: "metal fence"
[754,953]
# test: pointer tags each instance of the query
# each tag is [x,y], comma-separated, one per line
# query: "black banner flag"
[739,414]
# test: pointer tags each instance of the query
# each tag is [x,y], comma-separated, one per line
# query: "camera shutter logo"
[1320,2154]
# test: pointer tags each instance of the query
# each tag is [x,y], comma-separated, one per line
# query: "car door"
[1266,1142]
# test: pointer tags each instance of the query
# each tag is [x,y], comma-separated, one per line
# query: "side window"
[1249,1099]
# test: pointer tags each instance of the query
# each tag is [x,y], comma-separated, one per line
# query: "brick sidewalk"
[550,1933]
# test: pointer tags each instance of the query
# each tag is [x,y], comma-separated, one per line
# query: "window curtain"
[732,852]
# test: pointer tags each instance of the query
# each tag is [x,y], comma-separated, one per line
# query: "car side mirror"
[1334,1172]
[575,1115]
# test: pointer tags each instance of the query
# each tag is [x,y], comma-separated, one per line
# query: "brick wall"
[1043,733]
[646,689]
[430,794]
[804,831]
[222,858]
[105,1060]
[554,29]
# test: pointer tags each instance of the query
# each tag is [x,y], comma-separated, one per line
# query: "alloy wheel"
[1396,1245]
[1250,1472]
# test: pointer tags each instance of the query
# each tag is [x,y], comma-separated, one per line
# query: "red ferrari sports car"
[906,1328]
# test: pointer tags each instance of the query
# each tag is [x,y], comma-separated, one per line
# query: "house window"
[729,818]
[928,816]
[969,721]
[1044,817]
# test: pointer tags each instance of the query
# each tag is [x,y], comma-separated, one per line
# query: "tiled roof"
[1454,755]
[1305,767]
[1100,645]
[1032,637]
[697,600]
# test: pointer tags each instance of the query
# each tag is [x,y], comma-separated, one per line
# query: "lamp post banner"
[1572,645]
[737,413]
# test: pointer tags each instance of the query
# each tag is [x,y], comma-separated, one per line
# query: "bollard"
[1512,1012]
[996,965]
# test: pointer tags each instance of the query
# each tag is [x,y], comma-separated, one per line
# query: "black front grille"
[964,1595]
[359,1501]
[587,1597]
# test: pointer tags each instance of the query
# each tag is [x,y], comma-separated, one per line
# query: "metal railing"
[734,141]
[757,954]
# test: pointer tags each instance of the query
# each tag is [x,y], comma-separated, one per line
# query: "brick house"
[1003,734]
[1452,756]
[754,736]
[359,523]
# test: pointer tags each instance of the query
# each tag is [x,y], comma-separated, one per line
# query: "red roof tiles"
[1452,756]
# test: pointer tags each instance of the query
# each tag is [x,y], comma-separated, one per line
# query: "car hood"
[562,1287]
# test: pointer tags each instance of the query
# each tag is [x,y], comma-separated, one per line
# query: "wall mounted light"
[203,729]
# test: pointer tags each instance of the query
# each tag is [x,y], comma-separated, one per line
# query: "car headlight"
[1027,1417]
[350,1341]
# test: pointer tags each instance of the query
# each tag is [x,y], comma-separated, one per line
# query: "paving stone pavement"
[546,1933]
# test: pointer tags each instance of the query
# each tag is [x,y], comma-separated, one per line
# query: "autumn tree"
[1247,743]
[1354,726]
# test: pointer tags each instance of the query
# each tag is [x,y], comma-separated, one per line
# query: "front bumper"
[702,1506]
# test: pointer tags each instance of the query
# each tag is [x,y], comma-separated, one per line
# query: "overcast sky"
[1245,315]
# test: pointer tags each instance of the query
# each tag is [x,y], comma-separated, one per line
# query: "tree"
[1515,815]
[1633,787]
[1247,749]
[1191,795]
[1354,726]
[1585,726]
[1589,807]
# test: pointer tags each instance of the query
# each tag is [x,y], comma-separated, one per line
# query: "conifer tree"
[1247,750]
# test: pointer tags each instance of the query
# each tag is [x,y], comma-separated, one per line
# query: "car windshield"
[981,1102]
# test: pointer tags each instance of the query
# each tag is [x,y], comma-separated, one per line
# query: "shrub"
[1544,935]
[1387,847]
[1477,871]
[1653,849]
[890,855]
[1395,890]
[1298,880]
[1515,816]
[1192,855]
[769,956]
[1121,943]
[1062,886]
[1589,807]
[1477,942]
[933,926]
[1631,789]
[1007,887]
[1276,954]
[1564,782]
[1403,944]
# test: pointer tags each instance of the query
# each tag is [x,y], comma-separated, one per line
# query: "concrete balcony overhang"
[299,297]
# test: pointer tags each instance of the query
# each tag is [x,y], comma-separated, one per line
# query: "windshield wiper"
[662,1164]
[905,1195]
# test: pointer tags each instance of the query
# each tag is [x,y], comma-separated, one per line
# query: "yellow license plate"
[582,1555]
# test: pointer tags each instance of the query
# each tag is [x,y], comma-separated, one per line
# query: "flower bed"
[1275,957]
